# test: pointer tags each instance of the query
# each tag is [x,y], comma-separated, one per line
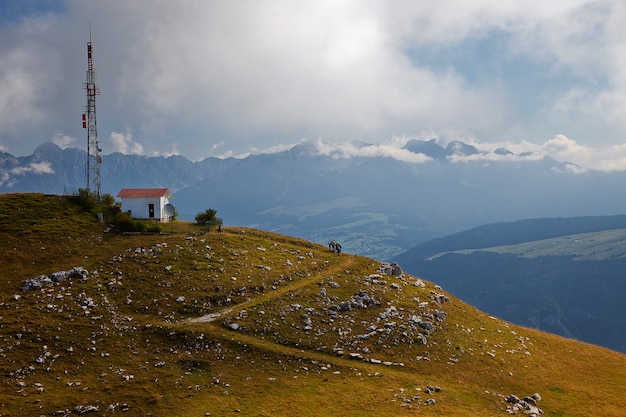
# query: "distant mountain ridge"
[376,206]
[432,149]
[511,233]
[563,275]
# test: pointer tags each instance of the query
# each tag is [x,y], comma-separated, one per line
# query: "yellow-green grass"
[140,349]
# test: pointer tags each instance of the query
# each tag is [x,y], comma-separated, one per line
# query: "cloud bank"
[201,78]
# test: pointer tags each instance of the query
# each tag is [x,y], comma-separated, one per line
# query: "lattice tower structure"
[94,153]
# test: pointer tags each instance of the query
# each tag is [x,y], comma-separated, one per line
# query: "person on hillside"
[338,248]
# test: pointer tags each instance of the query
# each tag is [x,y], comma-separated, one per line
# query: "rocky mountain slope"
[253,323]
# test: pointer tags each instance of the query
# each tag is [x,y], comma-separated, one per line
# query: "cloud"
[195,77]
[30,72]
[124,143]
[43,167]
[62,140]
[389,150]
[579,158]
[564,149]
[172,150]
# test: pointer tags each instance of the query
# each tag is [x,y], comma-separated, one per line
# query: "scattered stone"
[528,405]
[82,409]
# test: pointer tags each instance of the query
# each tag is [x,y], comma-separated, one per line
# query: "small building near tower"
[146,203]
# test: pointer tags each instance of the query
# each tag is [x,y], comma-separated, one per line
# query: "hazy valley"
[376,206]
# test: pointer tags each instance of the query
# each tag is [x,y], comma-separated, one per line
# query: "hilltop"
[253,323]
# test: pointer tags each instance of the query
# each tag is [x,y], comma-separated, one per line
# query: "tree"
[208,219]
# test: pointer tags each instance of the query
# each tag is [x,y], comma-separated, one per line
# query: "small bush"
[126,224]
[207,217]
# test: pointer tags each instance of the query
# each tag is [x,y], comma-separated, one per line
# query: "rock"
[58,276]
[396,271]
[345,306]
[440,315]
[530,400]
[82,409]
[420,339]
[40,281]
[233,326]
[512,399]
[427,326]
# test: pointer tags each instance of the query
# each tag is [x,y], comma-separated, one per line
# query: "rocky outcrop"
[527,405]
[41,281]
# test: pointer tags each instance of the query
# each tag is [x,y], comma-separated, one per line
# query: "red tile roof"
[143,192]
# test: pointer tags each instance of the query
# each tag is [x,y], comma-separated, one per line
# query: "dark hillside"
[511,233]
[564,276]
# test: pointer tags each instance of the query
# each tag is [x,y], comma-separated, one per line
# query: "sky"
[203,78]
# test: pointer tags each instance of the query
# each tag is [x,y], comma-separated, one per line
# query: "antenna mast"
[94,153]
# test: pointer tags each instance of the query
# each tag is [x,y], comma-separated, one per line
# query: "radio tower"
[94,153]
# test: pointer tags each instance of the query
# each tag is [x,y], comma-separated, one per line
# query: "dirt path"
[346,262]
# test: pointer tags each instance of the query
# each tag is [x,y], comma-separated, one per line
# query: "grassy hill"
[250,323]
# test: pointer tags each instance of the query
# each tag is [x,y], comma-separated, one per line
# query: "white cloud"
[389,150]
[43,167]
[172,150]
[564,149]
[5,179]
[580,157]
[189,78]
[124,143]
[62,140]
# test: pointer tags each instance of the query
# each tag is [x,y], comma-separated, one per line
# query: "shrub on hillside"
[126,224]
[208,219]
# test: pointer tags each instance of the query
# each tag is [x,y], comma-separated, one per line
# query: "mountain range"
[379,206]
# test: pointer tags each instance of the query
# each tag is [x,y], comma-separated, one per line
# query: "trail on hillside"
[346,262]
[208,320]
